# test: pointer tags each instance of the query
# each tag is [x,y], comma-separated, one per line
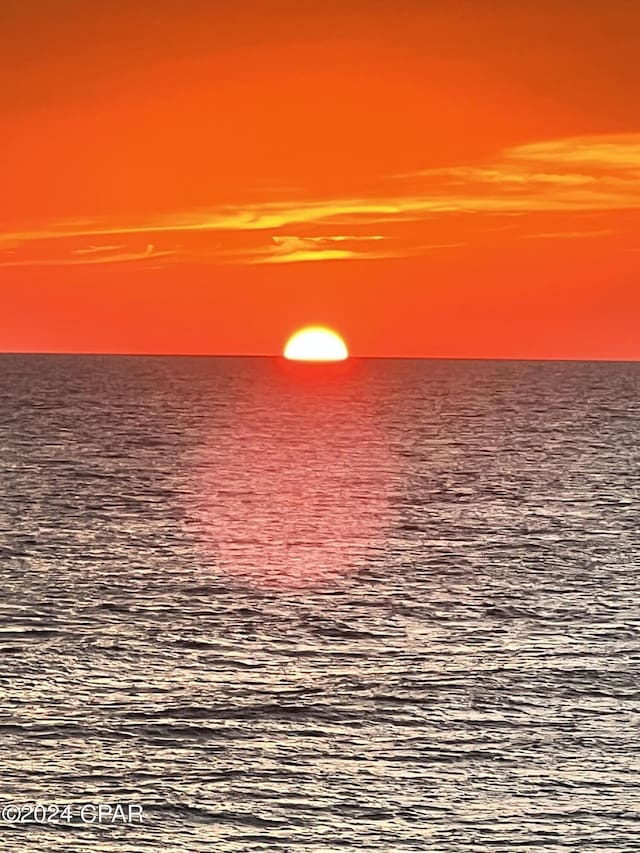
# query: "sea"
[381,605]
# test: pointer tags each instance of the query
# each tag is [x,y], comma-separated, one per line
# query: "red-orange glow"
[432,179]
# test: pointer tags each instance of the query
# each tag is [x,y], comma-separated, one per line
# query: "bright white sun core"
[316,343]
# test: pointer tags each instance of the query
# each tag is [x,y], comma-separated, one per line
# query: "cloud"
[290,249]
[611,152]
[596,174]
[587,173]
[552,235]
[507,176]
[280,249]
[90,250]
[149,253]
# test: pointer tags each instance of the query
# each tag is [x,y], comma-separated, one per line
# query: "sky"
[457,178]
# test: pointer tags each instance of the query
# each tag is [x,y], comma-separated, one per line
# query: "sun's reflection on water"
[293,489]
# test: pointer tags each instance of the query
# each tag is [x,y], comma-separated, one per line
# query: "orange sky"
[431,178]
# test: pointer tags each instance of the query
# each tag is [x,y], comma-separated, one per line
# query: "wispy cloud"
[499,175]
[123,257]
[91,250]
[619,151]
[288,249]
[569,235]
[573,176]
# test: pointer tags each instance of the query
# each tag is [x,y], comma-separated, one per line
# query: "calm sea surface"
[375,606]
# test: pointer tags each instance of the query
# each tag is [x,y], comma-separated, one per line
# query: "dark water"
[377,606]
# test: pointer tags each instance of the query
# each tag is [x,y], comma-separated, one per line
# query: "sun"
[316,343]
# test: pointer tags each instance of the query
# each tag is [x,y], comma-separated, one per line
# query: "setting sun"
[316,343]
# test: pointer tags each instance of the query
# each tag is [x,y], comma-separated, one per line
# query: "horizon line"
[124,354]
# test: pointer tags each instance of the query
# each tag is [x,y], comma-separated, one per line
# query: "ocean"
[383,605]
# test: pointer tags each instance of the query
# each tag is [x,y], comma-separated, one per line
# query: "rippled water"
[376,606]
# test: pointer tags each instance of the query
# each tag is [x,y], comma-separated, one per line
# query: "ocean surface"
[385,605]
